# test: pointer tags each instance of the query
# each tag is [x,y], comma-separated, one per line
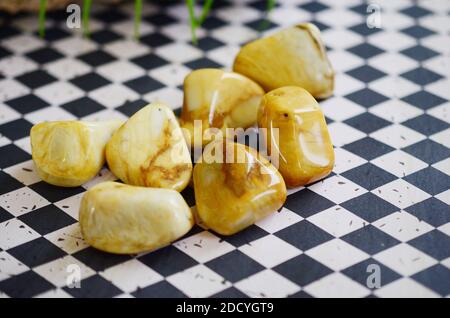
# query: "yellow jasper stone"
[218,99]
[292,56]
[304,146]
[149,150]
[123,219]
[233,193]
[70,153]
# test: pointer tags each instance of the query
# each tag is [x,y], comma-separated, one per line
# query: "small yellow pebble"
[304,146]
[218,99]
[124,219]
[70,153]
[149,150]
[292,56]
[230,195]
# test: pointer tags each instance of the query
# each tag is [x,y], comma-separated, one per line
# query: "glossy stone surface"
[70,153]
[292,56]
[233,194]
[304,146]
[124,219]
[219,99]
[149,150]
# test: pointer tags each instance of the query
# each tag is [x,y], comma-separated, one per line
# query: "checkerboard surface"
[386,203]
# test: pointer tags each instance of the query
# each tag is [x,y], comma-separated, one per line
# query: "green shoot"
[86,13]
[197,22]
[42,9]
[137,18]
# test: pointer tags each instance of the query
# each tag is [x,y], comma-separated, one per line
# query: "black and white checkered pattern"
[387,202]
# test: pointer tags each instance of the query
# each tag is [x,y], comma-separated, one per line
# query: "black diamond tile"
[94,287]
[168,260]
[423,100]
[418,32]
[304,235]
[35,284]
[36,252]
[96,58]
[144,84]
[7,31]
[230,293]
[189,196]
[160,19]
[428,151]
[53,193]
[360,8]
[426,124]
[416,11]
[54,34]
[366,73]
[436,278]
[130,107]
[149,61]
[246,236]
[90,81]
[4,53]
[177,111]
[300,294]
[434,243]
[36,79]
[313,6]
[58,15]
[227,264]
[212,23]
[261,25]
[8,183]
[155,39]
[5,215]
[432,211]
[15,156]
[98,260]
[369,176]
[302,270]
[370,239]
[369,207]
[202,62]
[367,122]
[368,148]
[44,55]
[365,50]
[306,203]
[159,290]
[260,5]
[364,30]
[366,97]
[421,76]
[47,219]
[360,272]
[193,231]
[321,26]
[110,16]
[82,107]
[209,43]
[16,129]
[104,36]
[429,180]
[419,53]
[27,103]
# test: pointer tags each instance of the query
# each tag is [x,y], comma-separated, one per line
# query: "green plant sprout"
[42,10]
[195,22]
[86,13]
